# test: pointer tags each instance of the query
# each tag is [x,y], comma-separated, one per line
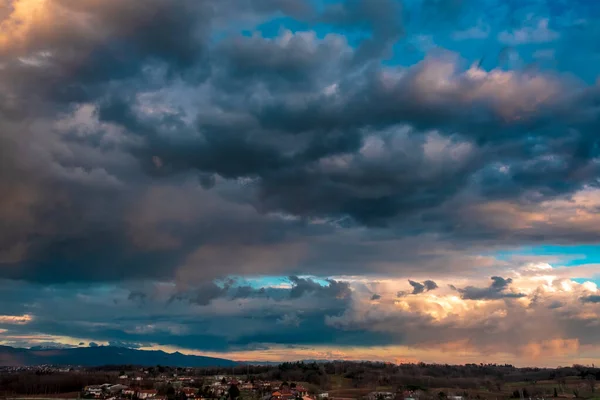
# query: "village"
[339,380]
[219,387]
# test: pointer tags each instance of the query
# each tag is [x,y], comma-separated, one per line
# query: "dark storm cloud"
[243,292]
[137,295]
[298,61]
[373,192]
[209,291]
[105,314]
[591,299]
[118,42]
[333,288]
[126,345]
[382,20]
[555,304]
[62,225]
[206,292]
[202,295]
[497,290]
[62,258]
[419,287]
[302,125]
[223,325]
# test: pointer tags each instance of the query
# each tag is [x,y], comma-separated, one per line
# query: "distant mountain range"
[104,355]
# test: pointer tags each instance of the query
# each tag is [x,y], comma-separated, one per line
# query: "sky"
[389,180]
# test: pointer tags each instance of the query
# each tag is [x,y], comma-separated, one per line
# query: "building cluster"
[404,395]
[288,392]
[165,387]
[35,368]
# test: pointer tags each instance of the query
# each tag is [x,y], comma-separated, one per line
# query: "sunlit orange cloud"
[547,353]
[556,347]
[26,15]
[28,20]
[15,319]
[579,211]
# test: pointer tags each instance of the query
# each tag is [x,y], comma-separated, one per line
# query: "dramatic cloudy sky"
[286,179]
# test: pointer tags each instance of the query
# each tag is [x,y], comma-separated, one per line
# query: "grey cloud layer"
[419,287]
[591,299]
[423,287]
[497,290]
[318,316]
[217,321]
[155,142]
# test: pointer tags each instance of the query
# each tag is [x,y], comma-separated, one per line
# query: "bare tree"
[591,381]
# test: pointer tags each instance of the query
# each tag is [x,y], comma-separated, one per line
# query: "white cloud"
[532,32]
[479,31]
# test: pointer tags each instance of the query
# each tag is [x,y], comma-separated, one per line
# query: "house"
[147,394]
[380,396]
[411,394]
[189,392]
[300,391]
[116,388]
[94,390]
[128,392]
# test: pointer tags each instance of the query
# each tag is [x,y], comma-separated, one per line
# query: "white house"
[147,394]
[94,390]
